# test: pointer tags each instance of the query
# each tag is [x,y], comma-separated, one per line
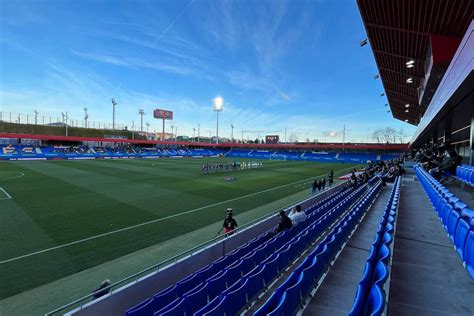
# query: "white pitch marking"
[150,222]
[19,175]
[8,196]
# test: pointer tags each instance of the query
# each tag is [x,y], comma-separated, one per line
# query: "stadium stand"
[91,152]
[456,218]
[465,174]
[229,283]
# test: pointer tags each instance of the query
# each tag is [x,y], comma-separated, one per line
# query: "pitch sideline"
[152,221]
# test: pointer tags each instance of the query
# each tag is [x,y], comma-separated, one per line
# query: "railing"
[21,118]
[134,278]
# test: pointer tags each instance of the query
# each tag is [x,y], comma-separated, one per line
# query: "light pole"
[218,106]
[199,130]
[194,134]
[141,112]
[65,117]
[232,133]
[86,117]
[147,127]
[36,117]
[113,112]
[172,132]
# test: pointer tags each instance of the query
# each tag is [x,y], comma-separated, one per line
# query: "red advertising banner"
[163,114]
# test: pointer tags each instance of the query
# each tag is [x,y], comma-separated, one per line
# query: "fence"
[20,118]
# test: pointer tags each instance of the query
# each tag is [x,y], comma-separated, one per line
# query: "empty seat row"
[456,217]
[370,298]
[465,173]
[221,273]
[290,294]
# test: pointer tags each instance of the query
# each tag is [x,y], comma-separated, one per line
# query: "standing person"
[314,186]
[323,184]
[285,222]
[229,223]
[102,290]
[319,185]
[330,178]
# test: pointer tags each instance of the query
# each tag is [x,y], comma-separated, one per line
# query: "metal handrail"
[134,278]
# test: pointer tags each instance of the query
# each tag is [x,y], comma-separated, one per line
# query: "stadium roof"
[405,30]
[323,146]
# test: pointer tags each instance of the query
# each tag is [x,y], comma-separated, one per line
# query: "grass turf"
[59,202]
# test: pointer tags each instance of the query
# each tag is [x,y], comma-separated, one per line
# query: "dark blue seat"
[453,220]
[380,274]
[176,307]
[196,298]
[271,269]
[234,272]
[150,305]
[272,305]
[217,310]
[236,299]
[293,297]
[186,284]
[255,282]
[217,284]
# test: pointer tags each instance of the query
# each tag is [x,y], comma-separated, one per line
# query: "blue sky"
[293,65]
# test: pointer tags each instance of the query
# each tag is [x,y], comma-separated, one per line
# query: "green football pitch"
[60,217]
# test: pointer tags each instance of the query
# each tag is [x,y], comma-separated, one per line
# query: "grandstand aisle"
[427,277]
[336,294]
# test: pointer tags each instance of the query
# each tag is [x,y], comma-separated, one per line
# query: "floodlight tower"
[114,103]
[86,117]
[218,106]
[141,112]
[194,134]
[65,118]
[147,127]
[232,133]
[172,132]
[36,117]
[199,132]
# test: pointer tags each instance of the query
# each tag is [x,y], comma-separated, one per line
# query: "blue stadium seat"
[255,282]
[469,252]
[271,269]
[460,236]
[196,298]
[236,299]
[217,283]
[159,300]
[176,307]
[375,301]
[293,297]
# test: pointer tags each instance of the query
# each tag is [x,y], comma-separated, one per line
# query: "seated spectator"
[297,215]
[102,290]
[285,222]
[447,167]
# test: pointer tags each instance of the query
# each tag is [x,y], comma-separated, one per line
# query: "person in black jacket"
[285,222]
[229,223]
[102,290]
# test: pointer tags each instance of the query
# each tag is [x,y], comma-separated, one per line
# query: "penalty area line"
[150,222]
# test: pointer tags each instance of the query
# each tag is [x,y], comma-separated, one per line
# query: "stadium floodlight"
[141,112]
[410,63]
[232,132]
[406,120]
[410,80]
[363,42]
[376,76]
[114,103]
[218,106]
[407,105]
[386,104]
[382,94]
[147,127]
[86,117]
[407,110]
[388,111]
[36,117]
